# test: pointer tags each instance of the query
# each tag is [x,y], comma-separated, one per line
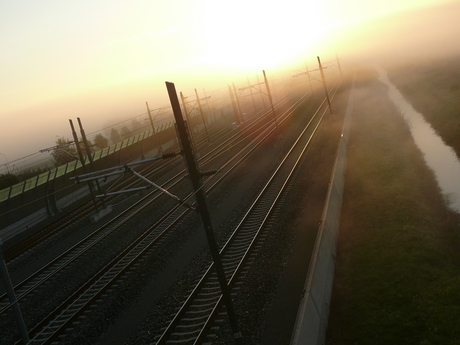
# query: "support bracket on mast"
[126,169]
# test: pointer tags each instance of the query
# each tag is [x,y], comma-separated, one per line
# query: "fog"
[38,127]
[425,33]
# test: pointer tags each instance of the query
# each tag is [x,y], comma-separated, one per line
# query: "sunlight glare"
[257,34]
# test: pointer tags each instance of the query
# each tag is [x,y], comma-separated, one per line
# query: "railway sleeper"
[207,290]
[210,288]
[235,290]
[238,250]
[210,304]
[245,270]
[232,256]
[201,309]
[192,326]
[211,299]
[230,265]
[180,341]
[195,319]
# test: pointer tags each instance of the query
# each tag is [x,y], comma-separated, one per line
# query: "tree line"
[65,151]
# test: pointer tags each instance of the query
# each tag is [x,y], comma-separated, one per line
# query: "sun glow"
[258,34]
[66,58]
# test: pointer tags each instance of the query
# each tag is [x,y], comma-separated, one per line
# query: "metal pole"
[252,96]
[261,93]
[240,113]
[202,115]
[309,77]
[235,110]
[82,160]
[338,64]
[324,84]
[195,177]
[208,113]
[5,276]
[157,135]
[90,157]
[189,121]
[184,105]
[270,97]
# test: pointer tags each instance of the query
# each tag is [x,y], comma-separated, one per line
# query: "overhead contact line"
[75,252]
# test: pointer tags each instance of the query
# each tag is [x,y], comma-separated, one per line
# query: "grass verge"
[433,88]
[397,277]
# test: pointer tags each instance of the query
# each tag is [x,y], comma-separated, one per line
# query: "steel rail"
[63,222]
[24,287]
[186,328]
[62,319]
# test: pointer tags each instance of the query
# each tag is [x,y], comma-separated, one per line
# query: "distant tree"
[64,152]
[126,133]
[136,126]
[7,180]
[29,173]
[115,135]
[83,147]
[100,141]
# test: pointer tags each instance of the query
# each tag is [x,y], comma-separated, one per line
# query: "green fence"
[65,169]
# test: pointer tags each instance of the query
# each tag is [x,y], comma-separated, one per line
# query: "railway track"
[70,306]
[217,133]
[195,317]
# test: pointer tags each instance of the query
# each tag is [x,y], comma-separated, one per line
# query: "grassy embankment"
[398,264]
[433,88]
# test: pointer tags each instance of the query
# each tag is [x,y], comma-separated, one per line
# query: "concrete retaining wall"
[311,322]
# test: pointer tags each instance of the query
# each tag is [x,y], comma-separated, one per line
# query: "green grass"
[398,265]
[433,88]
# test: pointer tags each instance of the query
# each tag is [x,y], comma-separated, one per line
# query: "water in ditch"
[438,156]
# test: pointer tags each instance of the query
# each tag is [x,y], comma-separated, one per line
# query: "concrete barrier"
[312,316]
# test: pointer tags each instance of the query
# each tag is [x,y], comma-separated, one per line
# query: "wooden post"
[324,84]
[195,178]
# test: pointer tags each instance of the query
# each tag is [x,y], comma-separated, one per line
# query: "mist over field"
[428,32]
[420,34]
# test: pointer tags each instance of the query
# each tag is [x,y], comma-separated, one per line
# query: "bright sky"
[58,55]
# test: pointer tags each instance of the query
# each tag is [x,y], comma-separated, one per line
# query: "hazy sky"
[61,59]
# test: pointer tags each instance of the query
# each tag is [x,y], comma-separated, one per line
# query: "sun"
[257,34]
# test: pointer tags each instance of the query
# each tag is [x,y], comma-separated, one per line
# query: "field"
[433,88]
[398,264]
